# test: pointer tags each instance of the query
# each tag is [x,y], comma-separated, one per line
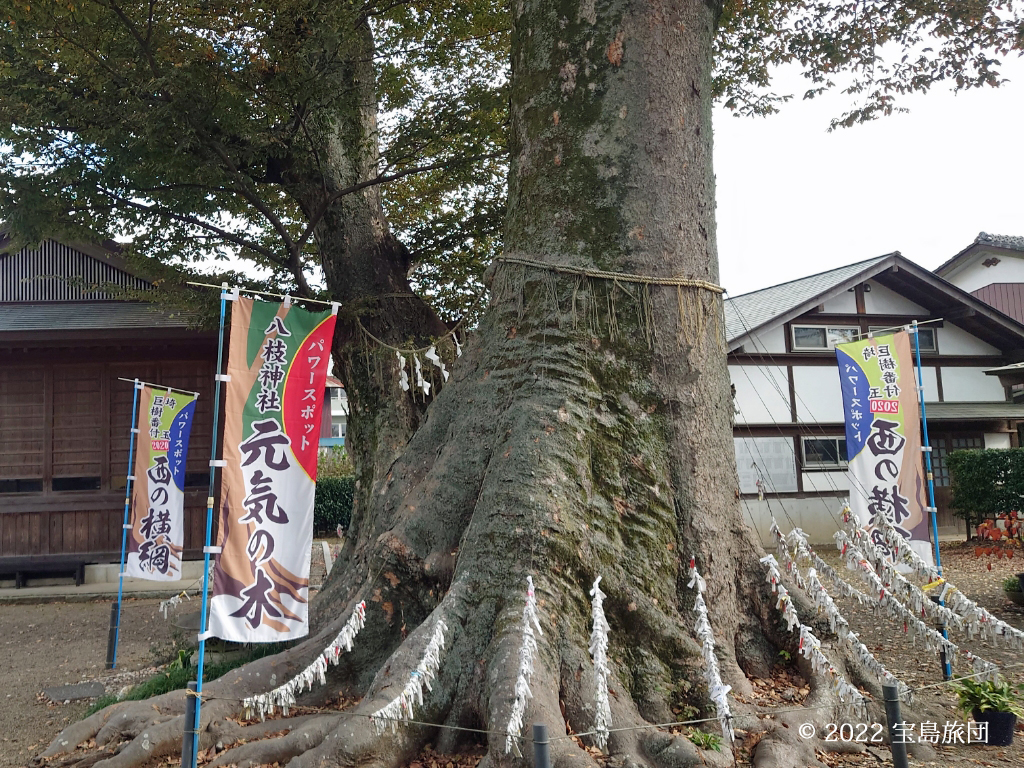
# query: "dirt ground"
[57,643]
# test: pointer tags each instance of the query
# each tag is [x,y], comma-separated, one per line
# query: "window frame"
[814,466]
[824,326]
[934,350]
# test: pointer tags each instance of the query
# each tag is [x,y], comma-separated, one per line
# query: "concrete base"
[100,582]
[107,574]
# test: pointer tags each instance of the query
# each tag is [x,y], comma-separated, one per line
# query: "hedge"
[986,483]
[332,505]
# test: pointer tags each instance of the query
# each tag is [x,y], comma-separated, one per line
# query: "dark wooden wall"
[67,421]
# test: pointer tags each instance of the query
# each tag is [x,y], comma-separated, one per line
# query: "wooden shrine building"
[65,339]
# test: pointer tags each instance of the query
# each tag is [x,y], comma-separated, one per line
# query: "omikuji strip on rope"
[934,641]
[717,691]
[599,653]
[810,646]
[895,581]
[977,619]
[526,652]
[839,625]
[283,696]
[400,708]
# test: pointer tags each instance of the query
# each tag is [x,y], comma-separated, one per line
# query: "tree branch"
[318,215]
[231,237]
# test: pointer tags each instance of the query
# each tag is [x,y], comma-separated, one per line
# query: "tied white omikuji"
[526,653]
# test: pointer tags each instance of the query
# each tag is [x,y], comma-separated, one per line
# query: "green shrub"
[1011,584]
[177,677]
[333,503]
[986,483]
[334,462]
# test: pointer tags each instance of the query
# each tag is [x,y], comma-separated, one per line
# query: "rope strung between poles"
[622,277]
[810,646]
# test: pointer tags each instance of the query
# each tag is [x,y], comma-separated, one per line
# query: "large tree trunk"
[365,266]
[586,433]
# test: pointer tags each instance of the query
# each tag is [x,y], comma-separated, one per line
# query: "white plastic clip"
[135,430]
[226,295]
[126,526]
[931,509]
[212,550]
[132,478]
[287,303]
[218,463]
[222,377]
[926,448]
[209,502]
[335,306]
[139,384]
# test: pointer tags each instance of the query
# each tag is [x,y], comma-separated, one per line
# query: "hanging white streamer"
[284,696]
[912,625]
[170,602]
[717,690]
[420,381]
[810,646]
[403,381]
[458,347]
[431,355]
[599,653]
[400,708]
[526,652]
[977,620]
[825,604]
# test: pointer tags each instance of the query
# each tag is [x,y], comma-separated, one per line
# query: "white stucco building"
[789,427]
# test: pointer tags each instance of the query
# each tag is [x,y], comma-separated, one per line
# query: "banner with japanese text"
[157,536]
[277,364]
[883,437]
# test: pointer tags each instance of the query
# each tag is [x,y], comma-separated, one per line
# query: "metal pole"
[890,693]
[189,734]
[115,615]
[541,747]
[209,527]
[926,448]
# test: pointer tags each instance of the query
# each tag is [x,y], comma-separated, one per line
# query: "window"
[338,429]
[812,338]
[21,486]
[927,338]
[76,483]
[824,453]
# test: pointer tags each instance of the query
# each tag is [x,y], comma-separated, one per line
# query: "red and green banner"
[156,541]
[277,364]
[883,437]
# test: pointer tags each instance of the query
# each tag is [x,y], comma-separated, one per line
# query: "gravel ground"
[58,643]
[51,644]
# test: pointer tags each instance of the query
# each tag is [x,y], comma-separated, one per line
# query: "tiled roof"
[978,411]
[98,315]
[1010,242]
[751,310]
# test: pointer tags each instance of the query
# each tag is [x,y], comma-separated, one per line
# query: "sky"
[794,199]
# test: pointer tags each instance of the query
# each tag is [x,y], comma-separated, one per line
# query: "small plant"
[1000,541]
[988,696]
[1011,584]
[785,655]
[705,740]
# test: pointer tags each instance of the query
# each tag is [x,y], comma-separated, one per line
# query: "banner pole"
[926,448]
[189,761]
[112,662]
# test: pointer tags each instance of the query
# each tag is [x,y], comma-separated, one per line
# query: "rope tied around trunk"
[698,301]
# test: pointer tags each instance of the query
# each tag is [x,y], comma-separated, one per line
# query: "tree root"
[300,738]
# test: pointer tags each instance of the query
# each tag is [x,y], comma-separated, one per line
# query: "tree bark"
[586,433]
[366,268]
